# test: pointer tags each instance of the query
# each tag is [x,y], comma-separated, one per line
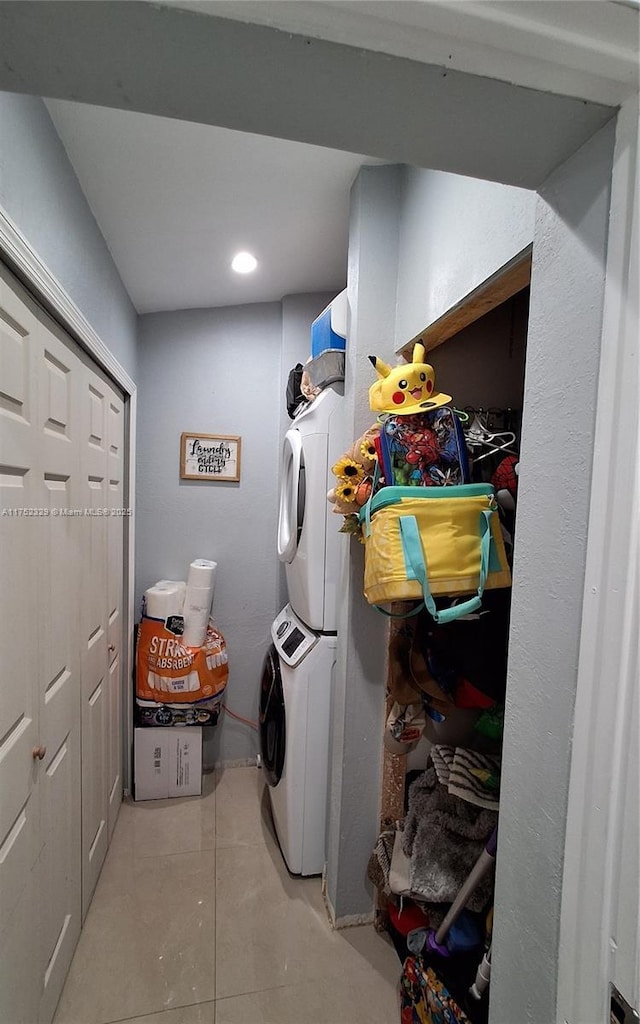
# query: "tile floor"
[195,920]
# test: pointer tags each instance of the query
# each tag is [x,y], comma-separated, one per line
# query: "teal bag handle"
[415,561]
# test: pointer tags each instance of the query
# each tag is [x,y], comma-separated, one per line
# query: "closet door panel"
[93,619]
[20,840]
[115,553]
[59,875]
[59,913]
[19,990]
[115,742]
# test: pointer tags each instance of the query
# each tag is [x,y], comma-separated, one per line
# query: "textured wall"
[554,493]
[359,688]
[41,194]
[484,364]
[455,232]
[217,371]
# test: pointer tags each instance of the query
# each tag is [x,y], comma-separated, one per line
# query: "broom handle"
[471,882]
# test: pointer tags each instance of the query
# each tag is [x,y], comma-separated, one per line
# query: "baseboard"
[349,920]
[353,920]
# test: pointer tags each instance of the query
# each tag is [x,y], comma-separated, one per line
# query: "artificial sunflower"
[368,451]
[346,491]
[348,468]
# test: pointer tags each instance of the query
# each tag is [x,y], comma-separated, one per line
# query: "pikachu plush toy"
[406,389]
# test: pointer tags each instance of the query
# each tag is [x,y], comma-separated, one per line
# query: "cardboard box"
[167,762]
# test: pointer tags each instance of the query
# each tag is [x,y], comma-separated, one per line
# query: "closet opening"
[478,351]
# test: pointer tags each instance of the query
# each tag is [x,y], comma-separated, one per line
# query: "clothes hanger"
[493,448]
[478,435]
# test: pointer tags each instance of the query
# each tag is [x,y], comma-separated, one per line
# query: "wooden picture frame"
[214,457]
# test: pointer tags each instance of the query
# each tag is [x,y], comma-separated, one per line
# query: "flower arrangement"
[354,478]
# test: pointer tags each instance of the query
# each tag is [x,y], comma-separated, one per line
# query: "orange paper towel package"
[169,672]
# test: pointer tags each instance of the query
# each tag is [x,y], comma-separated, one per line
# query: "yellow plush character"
[405,389]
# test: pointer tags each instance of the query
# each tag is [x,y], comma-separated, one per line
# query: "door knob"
[112,648]
[38,752]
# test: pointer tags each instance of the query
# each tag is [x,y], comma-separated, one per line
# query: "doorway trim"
[24,261]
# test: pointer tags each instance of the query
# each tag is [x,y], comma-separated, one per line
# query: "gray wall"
[455,232]
[484,364]
[551,538]
[219,371]
[215,371]
[359,685]
[41,194]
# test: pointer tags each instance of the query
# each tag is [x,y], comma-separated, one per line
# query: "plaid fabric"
[423,997]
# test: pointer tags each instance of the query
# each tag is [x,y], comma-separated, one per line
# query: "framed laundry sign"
[209,457]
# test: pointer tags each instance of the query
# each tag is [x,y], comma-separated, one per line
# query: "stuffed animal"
[354,472]
[405,389]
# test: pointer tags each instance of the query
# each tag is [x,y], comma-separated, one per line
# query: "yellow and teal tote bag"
[422,542]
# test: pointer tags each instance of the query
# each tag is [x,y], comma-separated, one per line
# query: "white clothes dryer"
[309,542]
[295,702]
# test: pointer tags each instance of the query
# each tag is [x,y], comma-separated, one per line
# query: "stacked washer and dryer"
[297,676]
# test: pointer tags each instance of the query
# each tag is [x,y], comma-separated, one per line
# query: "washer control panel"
[293,640]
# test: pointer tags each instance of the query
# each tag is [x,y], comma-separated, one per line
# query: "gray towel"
[443,837]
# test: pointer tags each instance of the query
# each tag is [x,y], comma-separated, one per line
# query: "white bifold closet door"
[57,737]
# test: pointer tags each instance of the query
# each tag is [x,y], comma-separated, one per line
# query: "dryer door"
[292,496]
[272,719]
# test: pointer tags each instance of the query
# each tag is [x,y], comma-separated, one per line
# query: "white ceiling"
[175,201]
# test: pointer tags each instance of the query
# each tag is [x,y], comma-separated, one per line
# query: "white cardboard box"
[167,762]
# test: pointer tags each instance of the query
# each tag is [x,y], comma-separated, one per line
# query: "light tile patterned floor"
[196,920]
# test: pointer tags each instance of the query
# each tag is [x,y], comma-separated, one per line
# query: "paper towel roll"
[202,573]
[195,627]
[164,598]
[197,603]
[198,599]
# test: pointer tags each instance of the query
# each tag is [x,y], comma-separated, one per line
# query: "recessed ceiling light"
[243,263]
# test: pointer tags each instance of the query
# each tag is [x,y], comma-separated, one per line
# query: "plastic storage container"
[329,330]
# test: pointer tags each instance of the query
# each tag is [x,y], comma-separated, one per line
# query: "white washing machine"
[309,542]
[295,701]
